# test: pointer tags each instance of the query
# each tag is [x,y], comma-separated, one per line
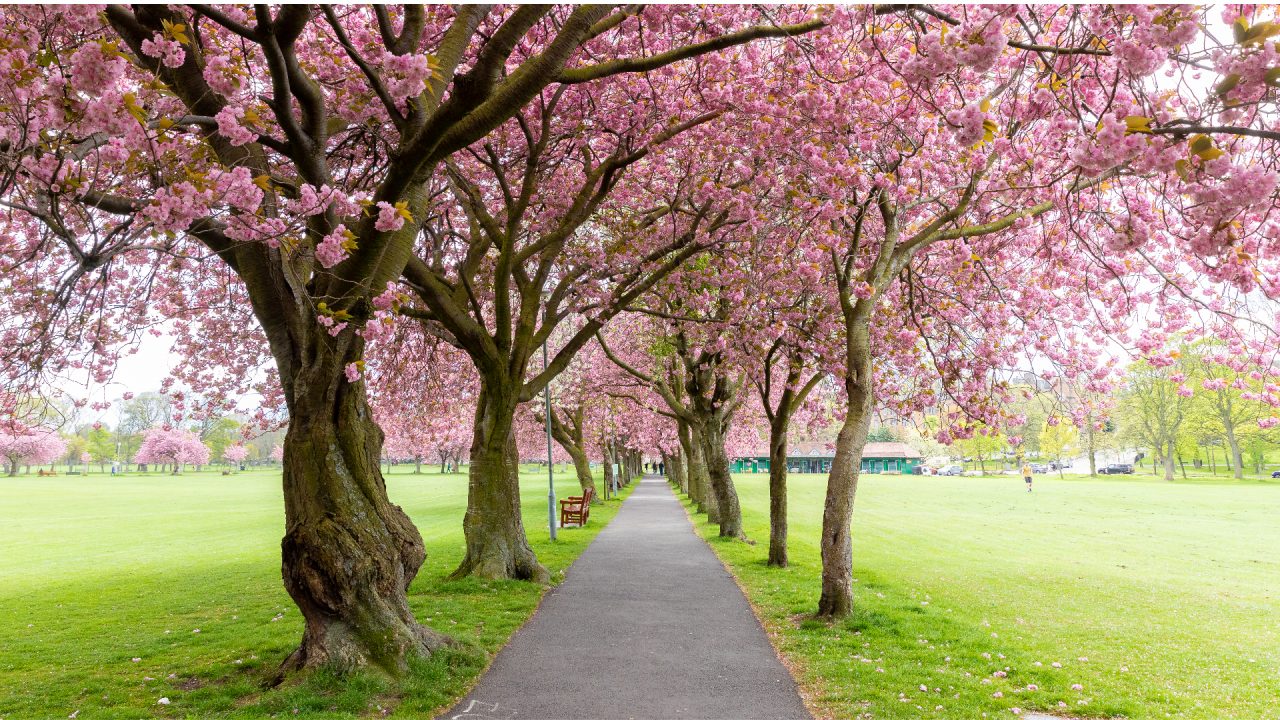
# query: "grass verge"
[974,598]
[116,592]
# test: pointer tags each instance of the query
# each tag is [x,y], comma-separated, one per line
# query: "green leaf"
[1240,29]
[1137,124]
[1202,147]
[1228,84]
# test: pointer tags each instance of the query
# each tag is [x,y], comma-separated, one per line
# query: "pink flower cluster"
[172,446]
[405,76]
[967,122]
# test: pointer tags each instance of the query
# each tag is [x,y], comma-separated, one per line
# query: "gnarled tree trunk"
[348,553]
[700,478]
[494,529]
[726,495]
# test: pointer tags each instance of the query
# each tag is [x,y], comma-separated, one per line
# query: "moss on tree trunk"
[729,513]
[493,527]
[348,553]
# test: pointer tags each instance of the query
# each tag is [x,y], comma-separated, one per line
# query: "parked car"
[951,470]
[1038,468]
[1276,474]
[1117,469]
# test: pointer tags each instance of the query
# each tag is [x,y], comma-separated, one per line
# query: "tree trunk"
[836,600]
[569,437]
[699,477]
[348,553]
[609,482]
[1237,457]
[778,491]
[676,471]
[685,436]
[1168,464]
[493,527]
[1092,449]
[726,495]
[582,467]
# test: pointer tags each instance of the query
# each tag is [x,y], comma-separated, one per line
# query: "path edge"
[437,712]
[792,666]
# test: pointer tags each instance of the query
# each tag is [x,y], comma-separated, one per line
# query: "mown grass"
[1158,600]
[97,571]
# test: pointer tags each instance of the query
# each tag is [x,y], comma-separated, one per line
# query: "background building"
[813,457]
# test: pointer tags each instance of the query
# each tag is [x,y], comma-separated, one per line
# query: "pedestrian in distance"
[1026,475]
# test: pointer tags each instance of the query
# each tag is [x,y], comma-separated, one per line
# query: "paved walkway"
[648,624]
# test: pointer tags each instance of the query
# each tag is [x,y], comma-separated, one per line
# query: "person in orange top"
[1026,475]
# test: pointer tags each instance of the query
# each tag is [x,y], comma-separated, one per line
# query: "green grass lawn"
[1143,470]
[1159,600]
[115,592]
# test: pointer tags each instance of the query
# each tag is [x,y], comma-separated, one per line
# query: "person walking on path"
[1026,475]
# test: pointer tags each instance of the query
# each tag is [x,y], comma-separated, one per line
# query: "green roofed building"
[814,457]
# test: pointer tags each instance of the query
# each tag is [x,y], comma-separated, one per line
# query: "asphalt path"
[647,624]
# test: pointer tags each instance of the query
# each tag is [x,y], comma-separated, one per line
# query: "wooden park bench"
[46,473]
[576,510]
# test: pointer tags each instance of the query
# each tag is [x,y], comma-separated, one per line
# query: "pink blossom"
[333,249]
[231,127]
[170,52]
[93,72]
[389,218]
[352,371]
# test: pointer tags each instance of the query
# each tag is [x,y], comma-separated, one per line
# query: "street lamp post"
[551,482]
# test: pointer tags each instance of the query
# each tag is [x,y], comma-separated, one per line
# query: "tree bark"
[609,482]
[778,492]
[570,437]
[493,526]
[676,470]
[1237,457]
[582,467]
[348,554]
[836,600]
[699,476]
[726,495]
[687,483]
[1168,463]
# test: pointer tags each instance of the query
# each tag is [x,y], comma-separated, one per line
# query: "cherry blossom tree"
[966,176]
[172,446]
[235,454]
[284,161]
[29,446]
